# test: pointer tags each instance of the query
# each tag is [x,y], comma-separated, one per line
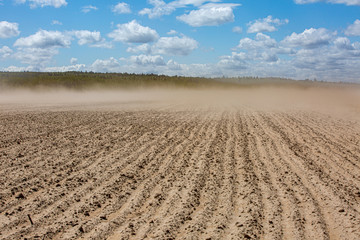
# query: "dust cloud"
[339,101]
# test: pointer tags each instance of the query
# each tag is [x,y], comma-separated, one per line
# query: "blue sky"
[284,38]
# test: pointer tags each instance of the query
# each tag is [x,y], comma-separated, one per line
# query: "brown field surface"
[254,163]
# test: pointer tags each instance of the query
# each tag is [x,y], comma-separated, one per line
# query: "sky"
[298,39]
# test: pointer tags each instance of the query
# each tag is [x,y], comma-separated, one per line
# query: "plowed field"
[195,168]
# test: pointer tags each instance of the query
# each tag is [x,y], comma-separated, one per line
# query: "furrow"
[340,217]
[306,215]
[165,194]
[89,188]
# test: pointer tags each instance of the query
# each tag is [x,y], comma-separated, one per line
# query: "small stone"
[20,196]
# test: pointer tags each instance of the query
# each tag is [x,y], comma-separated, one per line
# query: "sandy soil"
[244,164]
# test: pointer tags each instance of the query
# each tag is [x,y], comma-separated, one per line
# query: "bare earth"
[164,164]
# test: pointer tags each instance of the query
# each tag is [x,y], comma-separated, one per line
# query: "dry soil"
[165,164]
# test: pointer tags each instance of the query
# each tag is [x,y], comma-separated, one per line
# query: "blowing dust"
[343,102]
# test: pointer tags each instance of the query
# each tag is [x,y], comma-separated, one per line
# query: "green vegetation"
[86,80]
[81,80]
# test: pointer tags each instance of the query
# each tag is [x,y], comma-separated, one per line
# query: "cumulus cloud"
[261,41]
[145,60]
[39,49]
[353,29]
[234,61]
[262,48]
[333,60]
[107,65]
[168,45]
[343,43]
[87,37]
[210,15]
[5,52]
[175,46]
[44,3]
[145,48]
[20,69]
[44,39]
[88,8]
[121,8]
[310,38]
[35,56]
[93,39]
[346,2]
[133,32]
[73,67]
[161,8]
[9,29]
[267,24]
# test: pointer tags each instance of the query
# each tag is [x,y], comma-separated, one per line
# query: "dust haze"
[330,100]
[245,163]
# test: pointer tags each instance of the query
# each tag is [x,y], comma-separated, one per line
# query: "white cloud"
[310,38]
[337,58]
[331,61]
[73,61]
[5,52]
[145,48]
[346,2]
[210,15]
[44,39]
[35,56]
[121,8]
[44,3]
[87,37]
[172,32]
[9,29]
[73,67]
[197,3]
[262,48]
[102,44]
[168,45]
[175,46]
[261,41]
[56,39]
[93,39]
[265,25]
[133,32]
[108,65]
[161,8]
[235,61]
[145,60]
[39,49]
[237,29]
[19,69]
[88,8]
[56,22]
[343,43]
[353,29]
